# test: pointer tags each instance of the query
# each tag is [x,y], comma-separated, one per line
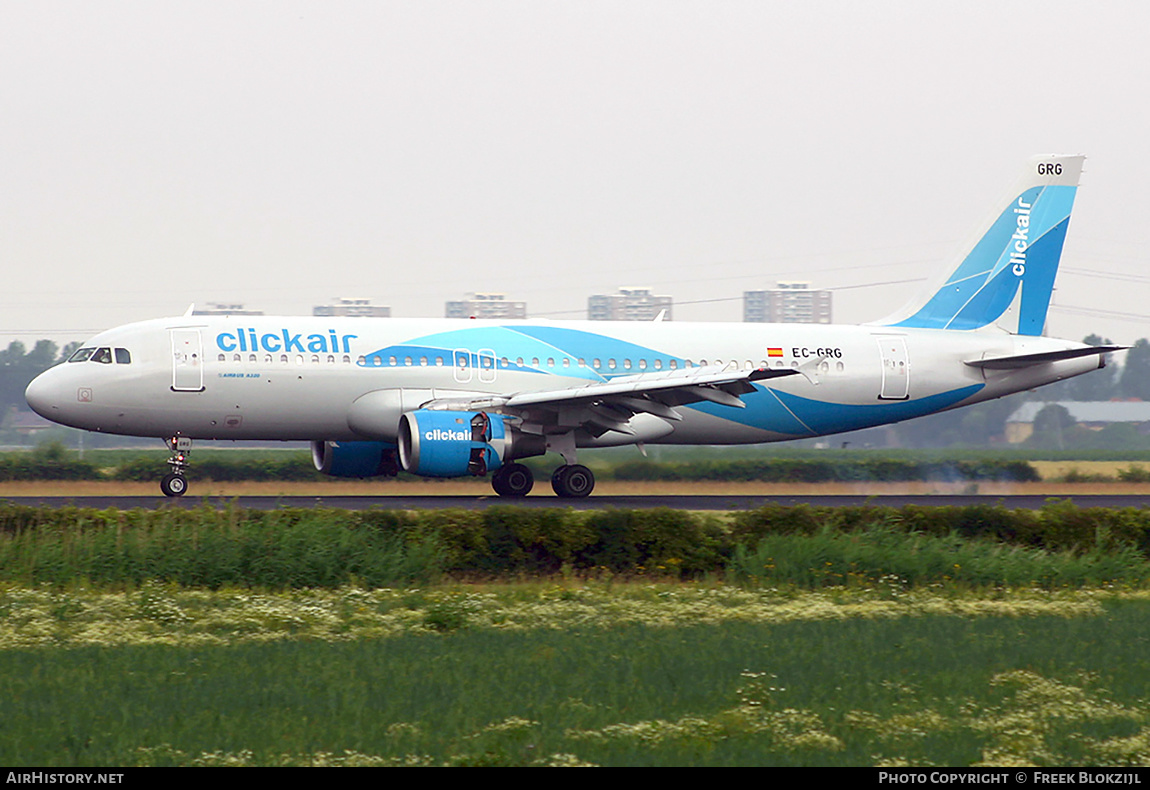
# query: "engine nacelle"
[452,443]
[355,459]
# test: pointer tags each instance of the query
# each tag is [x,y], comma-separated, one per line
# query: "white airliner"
[447,398]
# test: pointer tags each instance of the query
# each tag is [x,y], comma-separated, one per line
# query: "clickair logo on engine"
[440,435]
[284,340]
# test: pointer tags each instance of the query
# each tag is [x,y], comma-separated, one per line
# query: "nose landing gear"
[174,483]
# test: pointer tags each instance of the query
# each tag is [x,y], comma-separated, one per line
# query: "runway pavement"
[722,502]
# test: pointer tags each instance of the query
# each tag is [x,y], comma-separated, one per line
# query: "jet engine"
[355,459]
[452,443]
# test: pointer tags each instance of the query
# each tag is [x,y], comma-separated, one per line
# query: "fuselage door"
[895,368]
[187,361]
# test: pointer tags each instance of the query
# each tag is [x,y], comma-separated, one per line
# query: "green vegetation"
[291,548]
[513,636]
[52,461]
[571,674]
[769,464]
[870,467]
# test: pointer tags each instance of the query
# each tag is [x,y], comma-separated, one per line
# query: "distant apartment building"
[486,305]
[792,302]
[222,308]
[629,304]
[345,306]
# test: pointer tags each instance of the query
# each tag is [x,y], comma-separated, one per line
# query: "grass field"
[828,647]
[571,673]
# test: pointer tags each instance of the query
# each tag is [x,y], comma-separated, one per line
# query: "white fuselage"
[299,378]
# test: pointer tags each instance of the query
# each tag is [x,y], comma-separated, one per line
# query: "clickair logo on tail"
[1020,238]
[284,340]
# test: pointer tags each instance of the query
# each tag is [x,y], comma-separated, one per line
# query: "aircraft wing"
[603,406]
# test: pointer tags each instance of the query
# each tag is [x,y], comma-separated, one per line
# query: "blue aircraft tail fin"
[1006,276]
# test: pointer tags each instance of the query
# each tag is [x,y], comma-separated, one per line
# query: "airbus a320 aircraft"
[448,398]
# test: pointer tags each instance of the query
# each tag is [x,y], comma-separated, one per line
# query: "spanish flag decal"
[774,352]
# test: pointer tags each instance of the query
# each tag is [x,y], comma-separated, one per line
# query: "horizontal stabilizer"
[1026,360]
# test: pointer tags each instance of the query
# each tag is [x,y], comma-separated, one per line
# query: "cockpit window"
[102,355]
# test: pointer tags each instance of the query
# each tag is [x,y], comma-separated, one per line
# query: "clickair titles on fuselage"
[284,340]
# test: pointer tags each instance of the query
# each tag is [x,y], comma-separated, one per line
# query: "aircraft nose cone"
[41,396]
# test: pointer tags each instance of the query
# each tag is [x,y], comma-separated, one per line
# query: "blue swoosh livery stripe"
[793,415]
[526,342]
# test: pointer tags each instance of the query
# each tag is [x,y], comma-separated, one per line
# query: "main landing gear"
[512,481]
[174,483]
[570,481]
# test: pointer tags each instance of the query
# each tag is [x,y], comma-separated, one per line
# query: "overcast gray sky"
[281,154]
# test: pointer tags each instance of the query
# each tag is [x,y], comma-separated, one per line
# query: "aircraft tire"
[513,481]
[574,481]
[174,485]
